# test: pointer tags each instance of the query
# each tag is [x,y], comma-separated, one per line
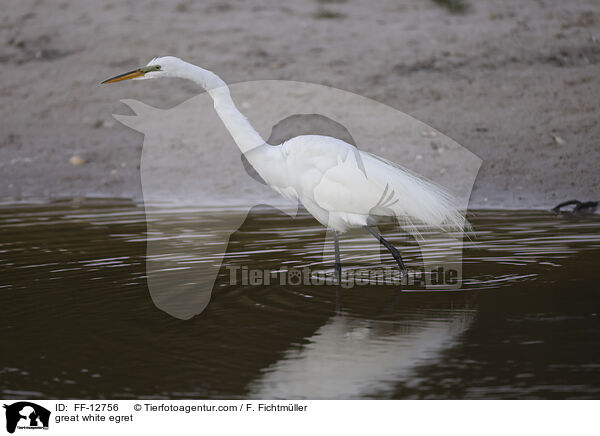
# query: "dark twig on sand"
[580,206]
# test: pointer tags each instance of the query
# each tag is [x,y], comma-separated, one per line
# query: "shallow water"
[78,321]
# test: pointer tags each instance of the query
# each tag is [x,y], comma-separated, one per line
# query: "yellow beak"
[125,76]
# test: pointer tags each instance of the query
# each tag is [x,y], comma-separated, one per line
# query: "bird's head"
[167,66]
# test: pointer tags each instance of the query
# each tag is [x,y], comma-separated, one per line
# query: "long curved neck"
[235,122]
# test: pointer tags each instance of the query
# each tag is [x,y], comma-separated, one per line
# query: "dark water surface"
[78,321]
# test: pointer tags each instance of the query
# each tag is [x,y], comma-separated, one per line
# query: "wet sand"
[515,83]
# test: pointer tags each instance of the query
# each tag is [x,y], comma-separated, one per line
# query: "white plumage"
[341,186]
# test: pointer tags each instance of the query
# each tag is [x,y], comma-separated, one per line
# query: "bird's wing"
[329,172]
[345,187]
[337,177]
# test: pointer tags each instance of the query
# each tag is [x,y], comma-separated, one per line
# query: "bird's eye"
[157,67]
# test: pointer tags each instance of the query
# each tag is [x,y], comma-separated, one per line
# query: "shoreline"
[224,206]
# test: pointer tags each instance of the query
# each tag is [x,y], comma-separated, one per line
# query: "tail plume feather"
[413,200]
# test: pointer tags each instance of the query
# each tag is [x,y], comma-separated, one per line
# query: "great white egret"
[339,185]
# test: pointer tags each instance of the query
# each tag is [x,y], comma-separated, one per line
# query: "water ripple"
[80,321]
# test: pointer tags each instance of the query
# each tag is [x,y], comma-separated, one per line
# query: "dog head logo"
[190,165]
[26,415]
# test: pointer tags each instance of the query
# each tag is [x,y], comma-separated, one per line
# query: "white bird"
[339,185]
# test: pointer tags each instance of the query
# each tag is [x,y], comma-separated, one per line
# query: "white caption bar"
[76,417]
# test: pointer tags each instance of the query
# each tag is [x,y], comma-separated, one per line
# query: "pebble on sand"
[77,160]
[558,140]
[428,134]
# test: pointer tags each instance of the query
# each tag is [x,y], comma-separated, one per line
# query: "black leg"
[338,263]
[390,248]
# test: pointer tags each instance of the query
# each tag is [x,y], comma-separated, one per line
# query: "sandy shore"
[517,84]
